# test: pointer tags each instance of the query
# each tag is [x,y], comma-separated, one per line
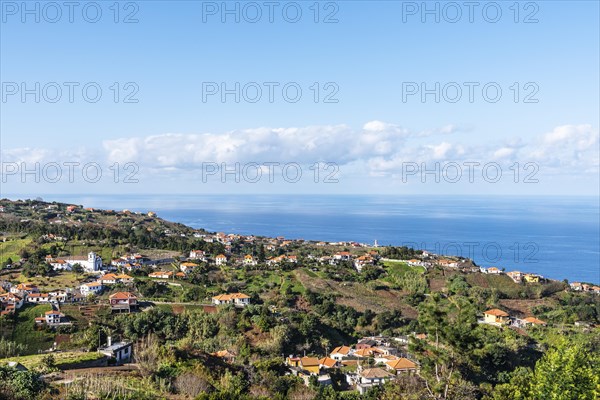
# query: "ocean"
[557,237]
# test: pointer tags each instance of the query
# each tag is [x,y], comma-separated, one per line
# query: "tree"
[567,371]
[78,269]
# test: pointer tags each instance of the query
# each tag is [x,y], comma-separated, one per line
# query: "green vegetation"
[304,308]
[26,332]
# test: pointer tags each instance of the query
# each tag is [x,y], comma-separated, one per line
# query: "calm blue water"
[558,237]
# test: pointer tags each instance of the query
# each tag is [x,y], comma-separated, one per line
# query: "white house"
[342,256]
[121,352]
[341,352]
[221,259]
[38,298]
[249,260]
[91,288]
[238,299]
[198,255]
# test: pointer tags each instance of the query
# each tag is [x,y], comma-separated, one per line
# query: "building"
[221,259]
[121,352]
[91,263]
[238,299]
[310,365]
[530,321]
[326,363]
[123,301]
[496,316]
[370,377]
[186,267]
[365,344]
[342,256]
[111,279]
[10,302]
[532,278]
[494,271]
[53,318]
[249,260]
[576,286]
[198,255]
[91,288]
[401,365]
[38,298]
[341,352]
[161,274]
[516,276]
[23,289]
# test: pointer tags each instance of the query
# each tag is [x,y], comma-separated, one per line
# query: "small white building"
[91,288]
[221,259]
[121,352]
[238,299]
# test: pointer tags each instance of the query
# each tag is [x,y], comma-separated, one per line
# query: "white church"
[92,263]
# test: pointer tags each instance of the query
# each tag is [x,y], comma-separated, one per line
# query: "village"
[116,285]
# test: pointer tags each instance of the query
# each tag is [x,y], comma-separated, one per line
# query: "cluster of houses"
[17,295]
[584,287]
[499,317]
[130,262]
[516,276]
[372,361]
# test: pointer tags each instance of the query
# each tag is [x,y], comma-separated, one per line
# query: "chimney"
[108,341]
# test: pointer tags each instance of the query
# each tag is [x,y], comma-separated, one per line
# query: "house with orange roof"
[249,260]
[221,259]
[238,299]
[23,289]
[576,286]
[198,255]
[38,298]
[55,318]
[226,355]
[310,365]
[341,352]
[496,316]
[445,262]
[91,288]
[124,278]
[401,365]
[187,266]
[111,279]
[326,363]
[161,274]
[363,353]
[516,276]
[123,301]
[530,321]
[11,302]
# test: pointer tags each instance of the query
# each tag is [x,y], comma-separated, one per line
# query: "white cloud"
[377,148]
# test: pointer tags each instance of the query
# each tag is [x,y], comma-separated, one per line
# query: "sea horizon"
[555,236]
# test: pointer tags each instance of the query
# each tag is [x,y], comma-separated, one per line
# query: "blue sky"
[371,134]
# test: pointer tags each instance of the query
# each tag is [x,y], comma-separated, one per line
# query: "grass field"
[11,248]
[58,281]
[62,359]
[25,332]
